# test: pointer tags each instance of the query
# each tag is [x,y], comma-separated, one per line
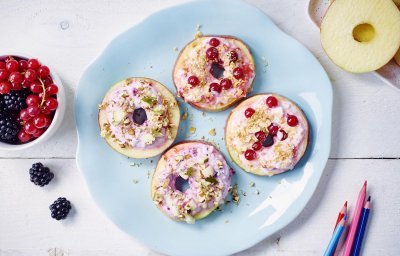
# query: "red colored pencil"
[341,215]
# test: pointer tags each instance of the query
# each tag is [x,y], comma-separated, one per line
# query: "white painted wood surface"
[68,35]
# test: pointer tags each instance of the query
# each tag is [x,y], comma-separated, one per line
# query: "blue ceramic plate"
[121,186]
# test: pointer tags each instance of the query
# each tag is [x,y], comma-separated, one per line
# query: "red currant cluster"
[22,74]
[264,140]
[212,54]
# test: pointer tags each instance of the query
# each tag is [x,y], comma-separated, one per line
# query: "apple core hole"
[363,33]
[181,184]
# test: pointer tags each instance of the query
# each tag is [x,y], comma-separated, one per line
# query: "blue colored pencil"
[361,229]
[335,238]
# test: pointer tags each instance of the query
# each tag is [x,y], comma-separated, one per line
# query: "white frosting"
[283,155]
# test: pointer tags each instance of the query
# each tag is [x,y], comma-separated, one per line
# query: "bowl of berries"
[32,102]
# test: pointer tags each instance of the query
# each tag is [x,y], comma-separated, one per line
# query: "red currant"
[256,146]
[29,127]
[250,154]
[8,58]
[215,87]
[30,75]
[36,87]
[284,134]
[46,110]
[40,121]
[24,115]
[292,120]
[51,89]
[273,129]
[43,72]
[16,87]
[260,135]
[23,136]
[33,64]
[12,65]
[33,100]
[26,84]
[43,96]
[272,101]
[51,104]
[249,112]
[38,133]
[48,121]
[5,87]
[214,42]
[193,80]
[16,78]
[2,65]
[4,74]
[226,83]
[23,65]
[33,110]
[238,73]
[233,56]
[212,53]
[48,80]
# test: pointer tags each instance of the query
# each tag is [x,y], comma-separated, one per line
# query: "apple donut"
[266,134]
[139,117]
[200,166]
[213,72]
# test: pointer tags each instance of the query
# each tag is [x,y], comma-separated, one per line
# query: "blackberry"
[15,101]
[9,128]
[40,174]
[60,208]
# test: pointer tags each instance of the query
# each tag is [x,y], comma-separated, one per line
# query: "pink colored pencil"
[354,223]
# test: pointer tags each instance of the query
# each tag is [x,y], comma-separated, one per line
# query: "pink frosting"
[171,200]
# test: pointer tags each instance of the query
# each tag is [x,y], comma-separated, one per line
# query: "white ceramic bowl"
[58,116]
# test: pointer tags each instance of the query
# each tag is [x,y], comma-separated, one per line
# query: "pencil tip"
[369,198]
[345,204]
[365,183]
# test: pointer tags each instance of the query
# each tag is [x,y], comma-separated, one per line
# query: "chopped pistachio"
[212,132]
[150,100]
[135,181]
[211,180]
[252,184]
[192,129]
[189,171]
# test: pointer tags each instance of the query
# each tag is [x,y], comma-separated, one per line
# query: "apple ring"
[213,72]
[203,169]
[266,134]
[139,117]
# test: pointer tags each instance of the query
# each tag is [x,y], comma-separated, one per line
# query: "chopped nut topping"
[212,132]
[192,129]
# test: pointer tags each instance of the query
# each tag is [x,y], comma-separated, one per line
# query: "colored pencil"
[341,214]
[361,229]
[335,237]
[354,222]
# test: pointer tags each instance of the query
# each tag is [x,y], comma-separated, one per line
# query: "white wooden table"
[68,35]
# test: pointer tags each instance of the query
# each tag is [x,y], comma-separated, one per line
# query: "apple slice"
[361,36]
[193,62]
[117,117]
[397,57]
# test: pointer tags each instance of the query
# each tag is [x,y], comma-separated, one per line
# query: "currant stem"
[44,92]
